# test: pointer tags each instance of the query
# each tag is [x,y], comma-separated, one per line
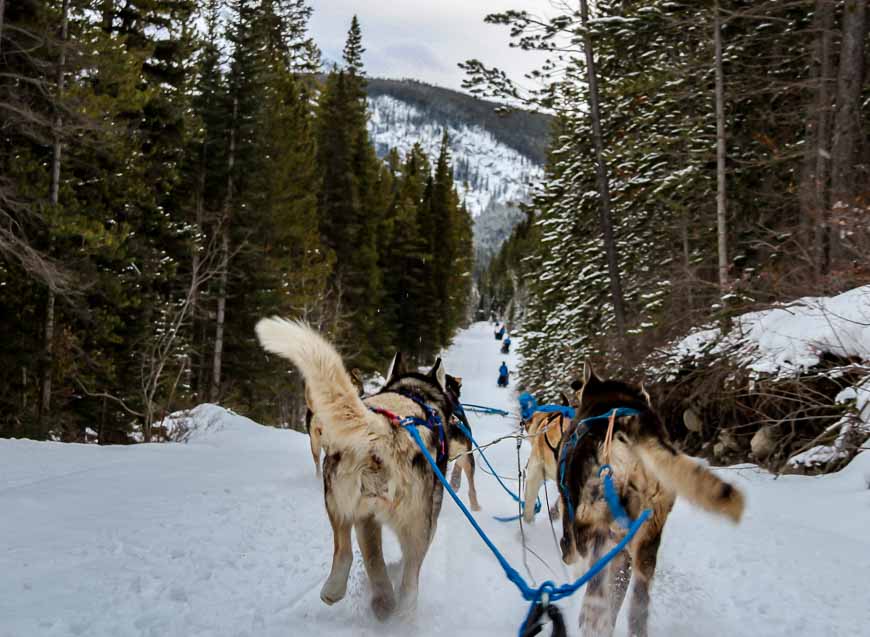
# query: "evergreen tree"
[351,208]
[353,49]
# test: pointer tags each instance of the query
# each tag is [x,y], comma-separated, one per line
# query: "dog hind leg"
[534,479]
[644,556]
[472,491]
[314,439]
[414,540]
[342,558]
[595,616]
[368,534]
[619,574]
[456,476]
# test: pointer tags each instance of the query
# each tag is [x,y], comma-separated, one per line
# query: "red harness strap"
[393,418]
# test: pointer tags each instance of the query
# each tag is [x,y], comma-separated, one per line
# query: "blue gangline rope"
[467,433]
[483,409]
[532,595]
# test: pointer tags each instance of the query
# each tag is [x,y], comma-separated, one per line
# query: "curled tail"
[330,391]
[690,480]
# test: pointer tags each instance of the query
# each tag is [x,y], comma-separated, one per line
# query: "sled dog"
[460,444]
[648,473]
[545,432]
[373,471]
[315,428]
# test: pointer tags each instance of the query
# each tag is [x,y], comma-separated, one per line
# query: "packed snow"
[226,534]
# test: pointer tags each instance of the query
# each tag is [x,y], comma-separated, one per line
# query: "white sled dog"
[373,471]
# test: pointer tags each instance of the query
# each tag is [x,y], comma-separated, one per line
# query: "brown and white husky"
[373,473]
[648,473]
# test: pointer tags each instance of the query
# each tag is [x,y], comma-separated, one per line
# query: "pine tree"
[351,206]
[353,50]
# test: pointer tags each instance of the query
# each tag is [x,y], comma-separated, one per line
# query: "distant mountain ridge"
[496,158]
[526,132]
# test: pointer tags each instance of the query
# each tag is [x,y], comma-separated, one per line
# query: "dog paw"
[383,606]
[475,507]
[331,594]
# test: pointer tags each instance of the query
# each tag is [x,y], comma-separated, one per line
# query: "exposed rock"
[729,440]
[763,442]
[692,420]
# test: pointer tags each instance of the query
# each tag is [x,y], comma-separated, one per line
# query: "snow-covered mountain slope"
[486,170]
[227,535]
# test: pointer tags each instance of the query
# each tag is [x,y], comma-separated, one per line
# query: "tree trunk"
[221,316]
[816,168]
[847,119]
[2,11]
[107,9]
[687,263]
[196,357]
[721,210]
[225,260]
[601,172]
[54,196]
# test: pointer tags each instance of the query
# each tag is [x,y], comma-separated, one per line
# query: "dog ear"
[645,394]
[397,366]
[437,372]
[589,375]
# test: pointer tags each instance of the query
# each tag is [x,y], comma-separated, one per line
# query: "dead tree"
[848,124]
[816,165]
[224,229]
[721,201]
[57,148]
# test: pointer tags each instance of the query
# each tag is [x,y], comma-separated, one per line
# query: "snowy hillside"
[227,535]
[485,169]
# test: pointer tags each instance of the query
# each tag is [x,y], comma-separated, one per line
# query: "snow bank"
[214,425]
[791,338]
[787,341]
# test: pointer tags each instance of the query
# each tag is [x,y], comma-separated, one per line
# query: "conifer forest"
[173,170]
[312,311]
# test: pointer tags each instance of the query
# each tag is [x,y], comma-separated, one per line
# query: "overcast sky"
[423,39]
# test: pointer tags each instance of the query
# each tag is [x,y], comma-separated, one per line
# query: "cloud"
[424,39]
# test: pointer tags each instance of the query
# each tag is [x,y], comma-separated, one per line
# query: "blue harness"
[433,421]
[528,407]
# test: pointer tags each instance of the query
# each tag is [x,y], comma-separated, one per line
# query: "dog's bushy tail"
[329,388]
[682,475]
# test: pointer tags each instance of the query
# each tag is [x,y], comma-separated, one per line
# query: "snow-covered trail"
[227,535]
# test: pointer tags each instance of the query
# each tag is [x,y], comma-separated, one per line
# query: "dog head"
[431,387]
[454,386]
[595,396]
